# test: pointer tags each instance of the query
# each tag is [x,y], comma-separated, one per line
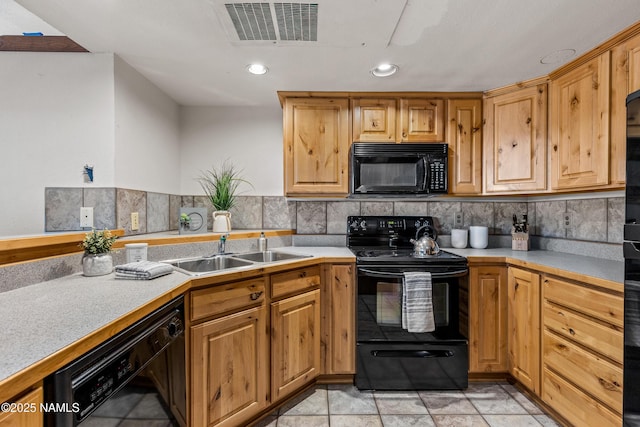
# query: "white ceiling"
[189,49]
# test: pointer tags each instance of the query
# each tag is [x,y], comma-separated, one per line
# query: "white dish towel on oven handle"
[417,302]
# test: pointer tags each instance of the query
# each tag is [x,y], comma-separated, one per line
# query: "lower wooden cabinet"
[295,342]
[338,306]
[524,327]
[25,418]
[582,351]
[488,319]
[230,369]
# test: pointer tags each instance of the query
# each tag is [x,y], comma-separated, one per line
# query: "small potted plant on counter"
[220,185]
[97,259]
[185,221]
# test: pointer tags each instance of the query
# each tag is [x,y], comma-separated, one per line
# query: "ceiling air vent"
[294,21]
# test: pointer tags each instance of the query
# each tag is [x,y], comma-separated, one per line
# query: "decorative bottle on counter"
[262,242]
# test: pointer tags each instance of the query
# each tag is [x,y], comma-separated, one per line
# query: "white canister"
[479,236]
[459,238]
[136,252]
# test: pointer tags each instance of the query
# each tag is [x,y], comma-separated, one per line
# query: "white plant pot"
[221,221]
[97,265]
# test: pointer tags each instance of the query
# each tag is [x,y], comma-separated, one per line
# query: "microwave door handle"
[426,173]
[387,275]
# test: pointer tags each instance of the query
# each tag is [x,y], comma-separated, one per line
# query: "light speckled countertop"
[588,266]
[44,318]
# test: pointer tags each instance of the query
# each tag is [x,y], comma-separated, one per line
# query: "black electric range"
[389,357]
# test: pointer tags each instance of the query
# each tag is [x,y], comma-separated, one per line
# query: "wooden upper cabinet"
[374,120]
[421,120]
[464,135]
[515,140]
[579,113]
[625,79]
[316,146]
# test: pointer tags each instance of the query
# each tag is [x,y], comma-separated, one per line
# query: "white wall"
[250,137]
[56,115]
[147,148]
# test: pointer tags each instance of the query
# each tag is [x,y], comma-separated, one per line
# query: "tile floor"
[482,404]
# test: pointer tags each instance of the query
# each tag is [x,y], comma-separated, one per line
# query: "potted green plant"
[97,259]
[221,185]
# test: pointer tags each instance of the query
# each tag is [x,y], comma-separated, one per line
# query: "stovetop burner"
[386,239]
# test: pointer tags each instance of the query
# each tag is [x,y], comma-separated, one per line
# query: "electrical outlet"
[135,221]
[457,220]
[567,219]
[86,217]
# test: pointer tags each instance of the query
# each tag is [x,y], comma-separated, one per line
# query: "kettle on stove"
[425,245]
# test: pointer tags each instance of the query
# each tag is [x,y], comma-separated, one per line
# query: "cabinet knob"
[255,295]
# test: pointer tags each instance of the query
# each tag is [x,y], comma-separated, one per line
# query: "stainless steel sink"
[269,256]
[196,266]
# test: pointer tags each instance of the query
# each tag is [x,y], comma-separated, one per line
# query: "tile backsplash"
[591,225]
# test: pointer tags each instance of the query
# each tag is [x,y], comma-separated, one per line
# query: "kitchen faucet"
[222,244]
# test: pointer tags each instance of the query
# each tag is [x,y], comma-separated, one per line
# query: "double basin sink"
[212,264]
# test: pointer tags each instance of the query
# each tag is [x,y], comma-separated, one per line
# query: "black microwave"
[381,169]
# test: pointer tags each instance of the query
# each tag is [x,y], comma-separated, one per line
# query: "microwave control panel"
[437,175]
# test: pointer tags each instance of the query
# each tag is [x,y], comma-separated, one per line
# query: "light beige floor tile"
[447,402]
[511,421]
[459,421]
[407,421]
[355,421]
[347,399]
[303,420]
[401,402]
[311,402]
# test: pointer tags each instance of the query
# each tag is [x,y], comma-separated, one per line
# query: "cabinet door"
[338,320]
[515,141]
[464,136]
[488,319]
[421,120]
[625,79]
[178,380]
[524,327]
[316,146]
[295,343]
[374,120]
[31,400]
[229,369]
[580,126]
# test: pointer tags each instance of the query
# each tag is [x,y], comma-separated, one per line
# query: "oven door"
[380,305]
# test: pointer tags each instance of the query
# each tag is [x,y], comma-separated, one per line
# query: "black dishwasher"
[79,388]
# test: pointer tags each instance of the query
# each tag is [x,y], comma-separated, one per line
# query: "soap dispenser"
[262,242]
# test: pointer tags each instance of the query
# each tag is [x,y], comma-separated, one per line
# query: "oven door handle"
[421,354]
[387,275]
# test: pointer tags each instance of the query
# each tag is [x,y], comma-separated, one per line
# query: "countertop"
[604,269]
[49,324]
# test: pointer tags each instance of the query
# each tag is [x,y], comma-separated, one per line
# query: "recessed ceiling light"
[257,69]
[558,56]
[384,70]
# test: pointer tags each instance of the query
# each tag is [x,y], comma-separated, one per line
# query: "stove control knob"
[417,224]
[363,224]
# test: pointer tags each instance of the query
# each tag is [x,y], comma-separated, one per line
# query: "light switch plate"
[86,217]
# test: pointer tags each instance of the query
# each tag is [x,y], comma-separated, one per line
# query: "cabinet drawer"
[575,406]
[295,281]
[227,297]
[597,377]
[601,305]
[605,339]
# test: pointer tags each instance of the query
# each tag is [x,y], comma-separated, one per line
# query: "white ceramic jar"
[478,236]
[459,238]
